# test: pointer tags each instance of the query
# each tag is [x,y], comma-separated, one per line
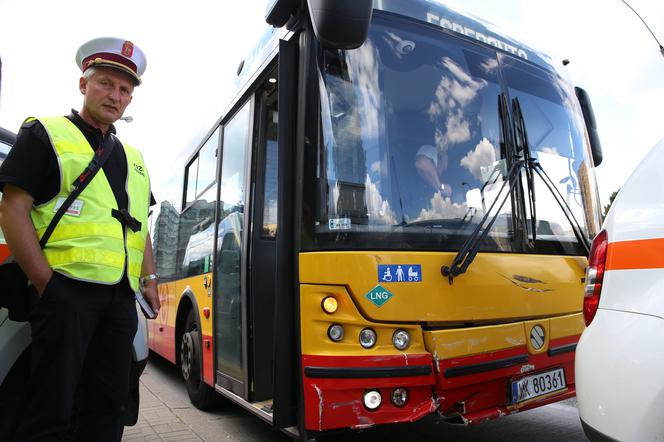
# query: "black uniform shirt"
[33,166]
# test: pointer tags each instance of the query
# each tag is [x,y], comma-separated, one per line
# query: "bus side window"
[196,235]
[196,227]
[165,225]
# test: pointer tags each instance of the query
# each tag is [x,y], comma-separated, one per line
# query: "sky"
[193,50]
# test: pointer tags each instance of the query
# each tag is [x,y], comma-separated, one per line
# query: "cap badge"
[128,49]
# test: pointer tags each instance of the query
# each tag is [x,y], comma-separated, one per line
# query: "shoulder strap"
[100,157]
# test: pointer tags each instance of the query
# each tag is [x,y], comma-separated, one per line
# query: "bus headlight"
[372,399]
[401,339]
[335,332]
[367,338]
[400,396]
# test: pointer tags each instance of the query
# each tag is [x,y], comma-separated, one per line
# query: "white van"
[620,357]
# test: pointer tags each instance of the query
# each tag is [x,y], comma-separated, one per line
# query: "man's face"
[106,94]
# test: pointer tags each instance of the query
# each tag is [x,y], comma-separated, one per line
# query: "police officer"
[83,315]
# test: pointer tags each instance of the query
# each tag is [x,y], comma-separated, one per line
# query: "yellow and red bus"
[390,220]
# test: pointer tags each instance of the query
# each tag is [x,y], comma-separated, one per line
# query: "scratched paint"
[513,342]
[470,343]
[435,359]
[363,420]
[320,407]
[517,281]
[342,404]
[527,279]
[527,368]
[434,404]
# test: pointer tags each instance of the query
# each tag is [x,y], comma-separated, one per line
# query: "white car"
[620,357]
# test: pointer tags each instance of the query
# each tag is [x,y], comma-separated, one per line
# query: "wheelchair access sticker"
[400,273]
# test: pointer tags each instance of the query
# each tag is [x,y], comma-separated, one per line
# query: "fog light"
[335,332]
[401,339]
[330,304]
[400,396]
[372,399]
[367,338]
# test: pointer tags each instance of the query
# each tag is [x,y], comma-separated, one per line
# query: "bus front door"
[230,291]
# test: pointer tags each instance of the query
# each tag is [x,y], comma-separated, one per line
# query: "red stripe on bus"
[637,254]
[208,360]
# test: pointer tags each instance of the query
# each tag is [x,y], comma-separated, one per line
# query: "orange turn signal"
[330,304]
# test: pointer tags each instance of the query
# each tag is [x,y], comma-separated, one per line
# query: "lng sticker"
[339,224]
[379,295]
[74,209]
[400,273]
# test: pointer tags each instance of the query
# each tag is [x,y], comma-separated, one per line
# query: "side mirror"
[341,24]
[591,124]
[338,24]
[278,12]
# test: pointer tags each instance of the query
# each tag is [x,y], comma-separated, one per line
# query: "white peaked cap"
[115,53]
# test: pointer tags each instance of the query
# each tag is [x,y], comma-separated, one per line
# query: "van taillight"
[595,276]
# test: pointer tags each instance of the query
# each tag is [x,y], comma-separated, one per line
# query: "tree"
[611,198]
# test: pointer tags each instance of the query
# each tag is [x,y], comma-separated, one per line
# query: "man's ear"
[82,84]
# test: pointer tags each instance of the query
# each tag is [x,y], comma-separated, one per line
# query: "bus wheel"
[191,359]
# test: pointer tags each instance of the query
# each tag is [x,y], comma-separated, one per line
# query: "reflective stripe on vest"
[90,246]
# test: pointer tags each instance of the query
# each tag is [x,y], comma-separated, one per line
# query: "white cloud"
[441,208]
[454,92]
[458,128]
[364,78]
[483,156]
[379,210]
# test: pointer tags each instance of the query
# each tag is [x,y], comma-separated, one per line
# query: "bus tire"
[201,395]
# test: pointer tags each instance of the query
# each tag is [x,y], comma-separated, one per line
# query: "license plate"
[538,384]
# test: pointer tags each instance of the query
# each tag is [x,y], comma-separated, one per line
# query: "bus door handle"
[205,281]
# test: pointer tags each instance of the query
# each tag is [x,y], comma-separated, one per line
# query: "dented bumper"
[465,376]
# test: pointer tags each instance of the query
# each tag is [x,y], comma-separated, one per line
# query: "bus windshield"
[412,152]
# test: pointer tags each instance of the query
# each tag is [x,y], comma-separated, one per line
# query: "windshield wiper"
[467,254]
[523,147]
[522,159]
[576,227]
[533,166]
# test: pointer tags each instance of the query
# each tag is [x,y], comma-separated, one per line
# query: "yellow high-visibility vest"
[89,244]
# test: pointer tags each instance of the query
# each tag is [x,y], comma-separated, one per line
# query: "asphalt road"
[166,414]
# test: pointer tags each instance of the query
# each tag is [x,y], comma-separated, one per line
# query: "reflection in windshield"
[412,140]
[411,133]
[556,137]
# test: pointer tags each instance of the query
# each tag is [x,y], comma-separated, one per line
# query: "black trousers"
[82,336]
